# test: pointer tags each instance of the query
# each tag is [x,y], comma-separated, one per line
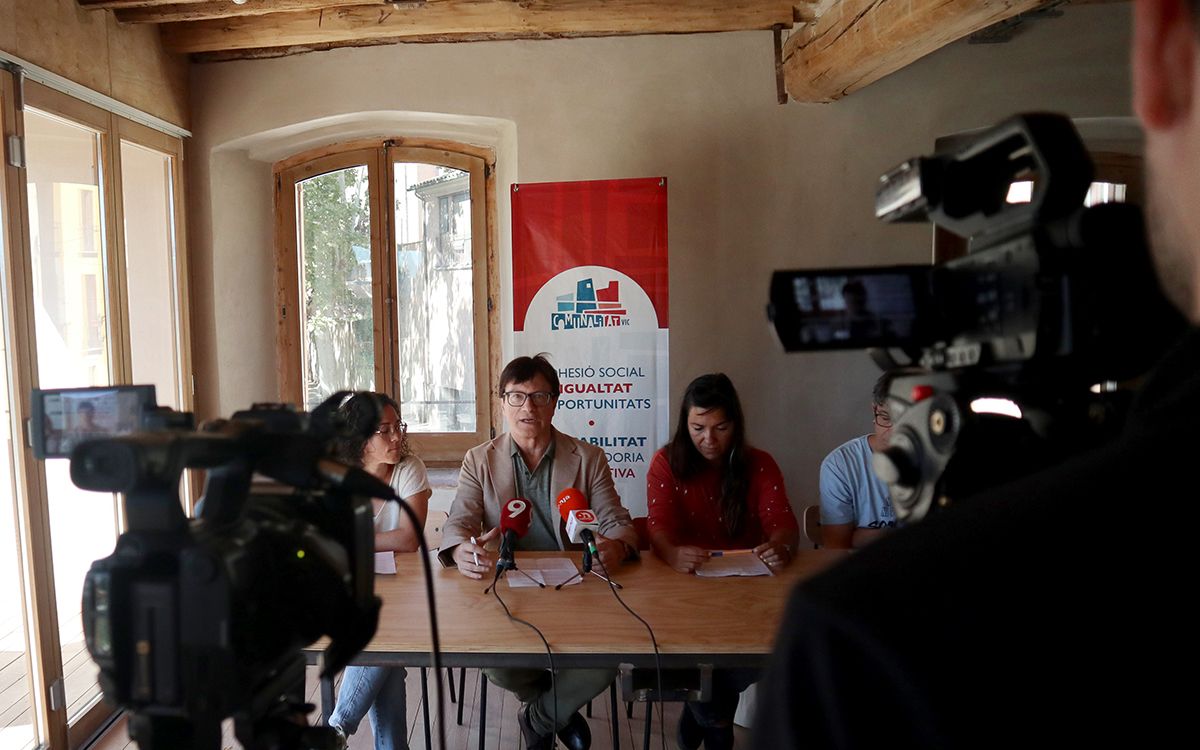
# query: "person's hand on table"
[686,558]
[612,551]
[774,554]
[472,560]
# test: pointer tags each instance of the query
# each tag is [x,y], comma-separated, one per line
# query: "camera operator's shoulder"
[1169,399]
[1026,579]
[1013,541]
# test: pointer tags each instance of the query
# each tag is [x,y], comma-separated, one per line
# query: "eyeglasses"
[517,398]
[883,419]
[392,428]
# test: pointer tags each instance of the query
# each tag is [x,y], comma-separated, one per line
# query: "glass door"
[91,294]
[67,193]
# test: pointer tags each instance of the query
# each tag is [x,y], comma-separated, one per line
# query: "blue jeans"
[377,692]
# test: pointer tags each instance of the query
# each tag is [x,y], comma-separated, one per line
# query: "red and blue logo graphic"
[588,307]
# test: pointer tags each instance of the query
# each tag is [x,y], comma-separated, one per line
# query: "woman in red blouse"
[708,490]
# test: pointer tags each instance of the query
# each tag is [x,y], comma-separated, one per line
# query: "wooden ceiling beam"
[176,11]
[115,4]
[854,43]
[475,19]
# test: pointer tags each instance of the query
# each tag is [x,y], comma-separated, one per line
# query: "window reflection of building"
[435,298]
[69,273]
[335,245]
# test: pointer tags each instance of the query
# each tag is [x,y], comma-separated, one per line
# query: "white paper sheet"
[385,563]
[550,571]
[556,570]
[733,565]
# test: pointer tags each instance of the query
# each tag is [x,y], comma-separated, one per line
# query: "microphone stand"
[587,568]
[606,579]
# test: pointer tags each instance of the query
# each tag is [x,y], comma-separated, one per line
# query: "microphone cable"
[549,655]
[662,727]
[435,640]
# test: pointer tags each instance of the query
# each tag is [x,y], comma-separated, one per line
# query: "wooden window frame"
[29,481]
[380,155]
[35,550]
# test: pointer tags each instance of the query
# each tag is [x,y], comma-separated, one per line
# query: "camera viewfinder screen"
[845,309]
[64,418]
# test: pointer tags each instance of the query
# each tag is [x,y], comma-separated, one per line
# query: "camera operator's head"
[1166,78]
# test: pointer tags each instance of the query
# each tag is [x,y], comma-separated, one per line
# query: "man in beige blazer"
[536,462]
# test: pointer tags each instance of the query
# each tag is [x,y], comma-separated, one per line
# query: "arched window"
[384,283]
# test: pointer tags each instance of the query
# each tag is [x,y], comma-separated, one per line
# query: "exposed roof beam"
[260,53]
[854,43]
[202,10]
[446,20]
[113,4]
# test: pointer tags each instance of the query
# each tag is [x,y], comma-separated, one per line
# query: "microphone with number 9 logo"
[514,524]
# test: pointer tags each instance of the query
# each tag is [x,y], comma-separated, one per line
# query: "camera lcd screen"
[63,418]
[850,309]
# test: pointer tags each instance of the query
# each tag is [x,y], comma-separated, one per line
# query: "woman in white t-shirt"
[379,692]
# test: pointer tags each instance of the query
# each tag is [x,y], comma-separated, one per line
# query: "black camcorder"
[1022,342]
[195,620]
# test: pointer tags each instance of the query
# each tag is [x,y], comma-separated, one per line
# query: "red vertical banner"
[590,288]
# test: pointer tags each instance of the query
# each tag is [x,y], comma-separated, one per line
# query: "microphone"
[582,526]
[515,517]
[581,521]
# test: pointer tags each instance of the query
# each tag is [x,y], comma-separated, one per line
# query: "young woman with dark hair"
[379,692]
[708,490]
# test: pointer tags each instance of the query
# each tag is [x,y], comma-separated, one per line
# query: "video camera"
[1023,340]
[193,621]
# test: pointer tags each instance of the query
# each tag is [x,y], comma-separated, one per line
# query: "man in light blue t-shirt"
[855,507]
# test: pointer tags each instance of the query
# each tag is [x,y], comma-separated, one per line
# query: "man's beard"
[1169,247]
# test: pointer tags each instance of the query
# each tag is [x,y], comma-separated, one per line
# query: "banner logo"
[588,307]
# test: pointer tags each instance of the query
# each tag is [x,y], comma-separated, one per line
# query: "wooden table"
[721,622]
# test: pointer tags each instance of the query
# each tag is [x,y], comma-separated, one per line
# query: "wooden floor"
[14,687]
[500,729]
[79,670]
